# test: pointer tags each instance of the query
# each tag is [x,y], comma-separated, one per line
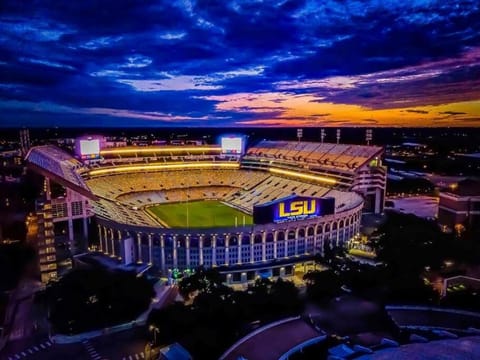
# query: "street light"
[155,330]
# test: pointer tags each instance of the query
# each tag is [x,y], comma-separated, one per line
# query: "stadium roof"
[467,187]
[60,166]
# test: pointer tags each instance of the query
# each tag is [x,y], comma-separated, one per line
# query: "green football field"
[199,214]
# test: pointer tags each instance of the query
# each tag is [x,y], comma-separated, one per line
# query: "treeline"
[219,315]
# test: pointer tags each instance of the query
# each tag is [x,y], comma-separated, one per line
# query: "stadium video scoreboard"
[88,148]
[232,144]
[293,208]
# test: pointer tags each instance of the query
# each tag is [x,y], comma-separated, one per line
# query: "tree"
[410,185]
[15,258]
[201,280]
[365,280]
[410,290]
[88,299]
[407,243]
[284,299]
[322,286]
[468,299]
[218,315]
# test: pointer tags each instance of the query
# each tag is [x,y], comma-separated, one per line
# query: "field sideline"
[201,214]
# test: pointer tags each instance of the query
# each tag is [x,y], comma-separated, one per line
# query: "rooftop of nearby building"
[467,187]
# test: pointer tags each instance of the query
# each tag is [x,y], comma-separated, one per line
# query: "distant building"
[459,206]
[24,141]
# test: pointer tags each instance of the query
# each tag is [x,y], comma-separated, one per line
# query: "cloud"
[172,35]
[137,61]
[452,113]
[416,111]
[270,63]
[47,63]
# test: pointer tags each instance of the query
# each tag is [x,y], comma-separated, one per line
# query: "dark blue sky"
[240,63]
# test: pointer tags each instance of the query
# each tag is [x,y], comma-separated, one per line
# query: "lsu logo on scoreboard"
[300,208]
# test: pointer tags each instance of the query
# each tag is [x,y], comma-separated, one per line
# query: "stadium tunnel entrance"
[291,269]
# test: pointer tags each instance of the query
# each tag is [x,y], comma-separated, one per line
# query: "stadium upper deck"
[340,157]
[160,151]
[338,161]
[347,167]
[55,163]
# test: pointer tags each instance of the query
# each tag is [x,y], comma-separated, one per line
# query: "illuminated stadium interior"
[246,211]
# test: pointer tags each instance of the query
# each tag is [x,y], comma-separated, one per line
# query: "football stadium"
[250,211]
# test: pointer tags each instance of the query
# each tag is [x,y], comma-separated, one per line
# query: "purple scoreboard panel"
[293,208]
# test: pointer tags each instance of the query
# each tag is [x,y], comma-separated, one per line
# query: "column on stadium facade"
[319,238]
[121,249]
[378,200]
[150,249]
[105,239]
[337,237]
[296,242]
[285,244]
[359,215]
[227,249]
[275,234]
[239,249]
[329,235]
[354,224]
[70,222]
[163,265]
[357,224]
[264,246]
[252,245]
[200,250]
[187,250]
[112,241]
[323,237]
[85,226]
[214,250]
[350,227]
[100,238]
[139,248]
[69,203]
[175,258]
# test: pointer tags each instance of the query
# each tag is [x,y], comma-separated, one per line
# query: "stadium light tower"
[368,136]
[299,134]
[322,135]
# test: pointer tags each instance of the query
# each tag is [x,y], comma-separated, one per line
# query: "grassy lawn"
[201,214]
[361,253]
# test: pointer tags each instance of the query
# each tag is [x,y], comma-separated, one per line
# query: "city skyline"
[246,63]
